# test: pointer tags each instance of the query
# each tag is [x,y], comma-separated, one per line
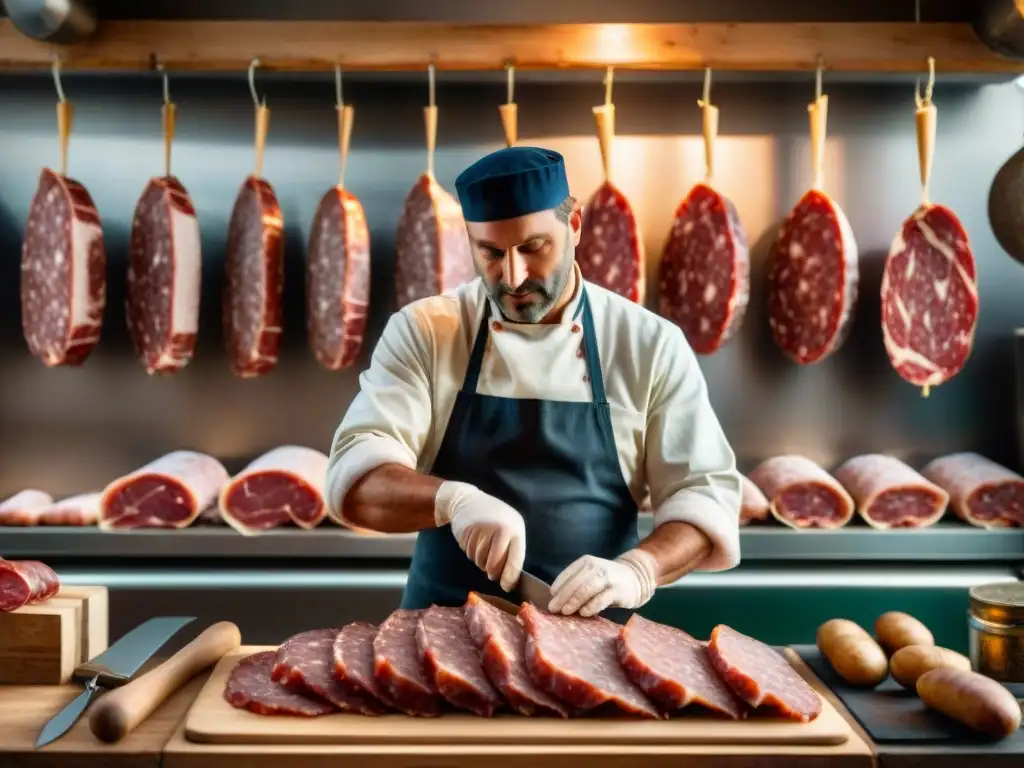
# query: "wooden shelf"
[296,46]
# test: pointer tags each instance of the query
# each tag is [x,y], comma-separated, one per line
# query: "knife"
[534,590]
[112,669]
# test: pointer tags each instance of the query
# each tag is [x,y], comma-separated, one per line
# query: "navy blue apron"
[555,462]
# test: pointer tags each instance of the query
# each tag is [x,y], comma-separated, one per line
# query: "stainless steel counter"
[946,542]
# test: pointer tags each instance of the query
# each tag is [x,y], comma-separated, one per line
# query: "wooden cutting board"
[213,721]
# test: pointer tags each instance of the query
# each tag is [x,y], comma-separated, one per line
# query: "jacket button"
[575,328]
[496,325]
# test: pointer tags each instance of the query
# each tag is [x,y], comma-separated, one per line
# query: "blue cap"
[512,182]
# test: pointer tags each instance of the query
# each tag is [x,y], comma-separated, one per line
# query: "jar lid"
[1000,603]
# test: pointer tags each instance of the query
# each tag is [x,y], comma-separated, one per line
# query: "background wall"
[70,430]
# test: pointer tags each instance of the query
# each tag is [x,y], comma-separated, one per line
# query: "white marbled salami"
[611,250]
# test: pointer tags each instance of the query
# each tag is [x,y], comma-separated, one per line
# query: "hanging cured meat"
[981,492]
[432,253]
[813,276]
[338,266]
[63,263]
[930,284]
[801,494]
[889,494]
[255,269]
[705,269]
[611,251]
[164,268]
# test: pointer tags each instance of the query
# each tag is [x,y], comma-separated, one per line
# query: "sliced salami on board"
[353,660]
[254,286]
[432,254]
[890,494]
[754,506]
[169,492]
[929,298]
[705,270]
[398,666]
[75,511]
[164,276]
[24,508]
[251,687]
[611,249]
[338,279]
[801,494]
[283,486]
[453,661]
[25,581]
[981,492]
[63,272]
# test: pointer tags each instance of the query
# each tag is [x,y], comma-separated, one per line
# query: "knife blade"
[111,669]
[534,590]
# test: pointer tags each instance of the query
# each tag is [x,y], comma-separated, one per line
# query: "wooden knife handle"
[118,712]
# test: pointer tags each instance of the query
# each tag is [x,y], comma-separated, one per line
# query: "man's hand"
[489,531]
[591,584]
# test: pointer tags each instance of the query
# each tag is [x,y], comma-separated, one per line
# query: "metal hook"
[929,87]
[430,75]
[510,69]
[252,84]
[166,83]
[609,78]
[706,101]
[817,79]
[56,79]
[337,84]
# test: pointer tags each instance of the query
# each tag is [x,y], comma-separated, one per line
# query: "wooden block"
[95,618]
[40,644]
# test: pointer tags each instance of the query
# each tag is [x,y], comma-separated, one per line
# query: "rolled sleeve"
[389,419]
[690,466]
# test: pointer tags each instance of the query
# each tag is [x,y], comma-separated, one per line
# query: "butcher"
[515,422]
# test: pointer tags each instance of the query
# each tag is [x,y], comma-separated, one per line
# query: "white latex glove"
[489,531]
[591,584]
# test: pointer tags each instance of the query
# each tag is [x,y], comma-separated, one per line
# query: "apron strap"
[476,359]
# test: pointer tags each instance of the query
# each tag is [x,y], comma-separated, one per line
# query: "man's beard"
[543,295]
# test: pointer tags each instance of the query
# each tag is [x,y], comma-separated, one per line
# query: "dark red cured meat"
[398,666]
[453,661]
[24,508]
[305,664]
[353,659]
[283,486]
[164,276]
[432,253]
[761,676]
[611,251]
[25,581]
[674,669]
[169,492]
[705,270]
[801,494]
[338,280]
[812,280]
[253,310]
[250,687]
[575,659]
[63,272]
[501,640]
[889,494]
[981,492]
[929,298]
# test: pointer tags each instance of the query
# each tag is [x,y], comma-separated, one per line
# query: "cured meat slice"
[398,666]
[338,279]
[761,676]
[674,669]
[929,298]
[251,687]
[501,641]
[169,492]
[705,270]
[753,503]
[353,660]
[812,280]
[79,510]
[305,664]
[453,661]
[889,494]
[611,250]
[25,581]
[801,494]
[575,659]
[164,276]
[285,485]
[63,272]
[981,492]
[432,253]
[24,507]
[255,280]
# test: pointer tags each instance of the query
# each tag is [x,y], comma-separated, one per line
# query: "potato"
[912,661]
[896,630]
[976,701]
[852,652]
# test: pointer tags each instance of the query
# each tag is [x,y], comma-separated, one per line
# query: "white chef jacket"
[669,439]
